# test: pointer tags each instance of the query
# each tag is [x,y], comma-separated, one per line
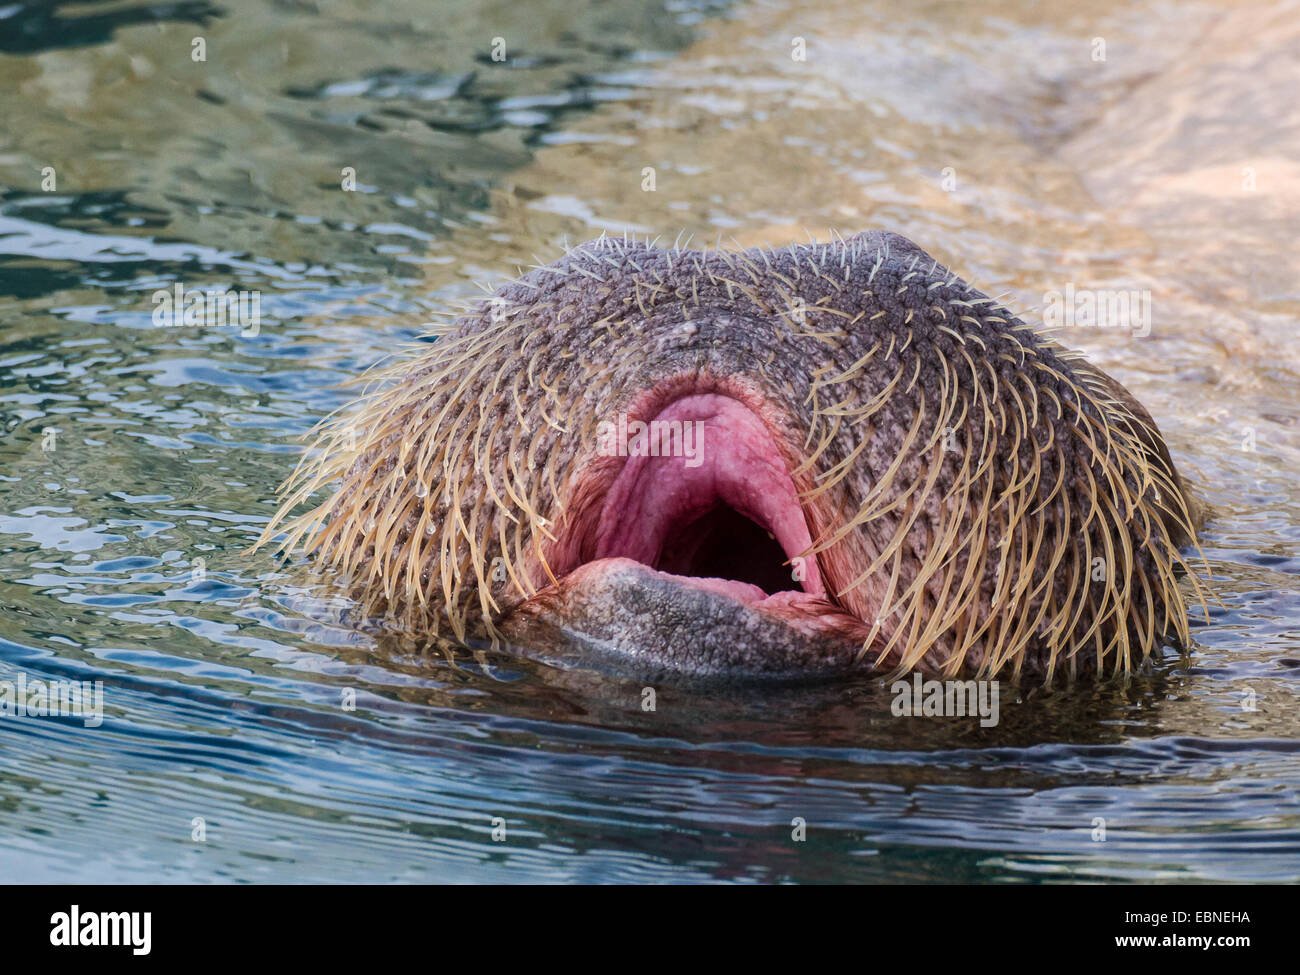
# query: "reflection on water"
[991,134]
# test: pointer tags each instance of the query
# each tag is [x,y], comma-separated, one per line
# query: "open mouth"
[695,552]
[705,495]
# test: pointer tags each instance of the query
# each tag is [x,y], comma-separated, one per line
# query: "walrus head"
[759,463]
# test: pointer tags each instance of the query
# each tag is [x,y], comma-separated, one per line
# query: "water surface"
[989,133]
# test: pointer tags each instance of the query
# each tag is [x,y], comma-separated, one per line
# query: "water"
[986,132]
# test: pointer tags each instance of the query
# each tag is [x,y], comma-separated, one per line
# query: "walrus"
[826,458]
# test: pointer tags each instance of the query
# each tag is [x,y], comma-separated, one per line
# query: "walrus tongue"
[698,559]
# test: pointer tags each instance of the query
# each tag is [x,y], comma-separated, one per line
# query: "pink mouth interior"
[724,512]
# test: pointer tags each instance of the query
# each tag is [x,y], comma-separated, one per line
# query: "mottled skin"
[979,499]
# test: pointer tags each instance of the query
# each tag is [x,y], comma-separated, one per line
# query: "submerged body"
[763,463]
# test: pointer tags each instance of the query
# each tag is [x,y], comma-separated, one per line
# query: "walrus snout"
[811,459]
[694,553]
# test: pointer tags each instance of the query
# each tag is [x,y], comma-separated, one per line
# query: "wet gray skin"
[889,471]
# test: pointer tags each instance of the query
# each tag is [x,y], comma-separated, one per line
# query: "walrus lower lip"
[697,559]
[655,623]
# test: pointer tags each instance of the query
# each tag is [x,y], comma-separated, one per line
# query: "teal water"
[225,676]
